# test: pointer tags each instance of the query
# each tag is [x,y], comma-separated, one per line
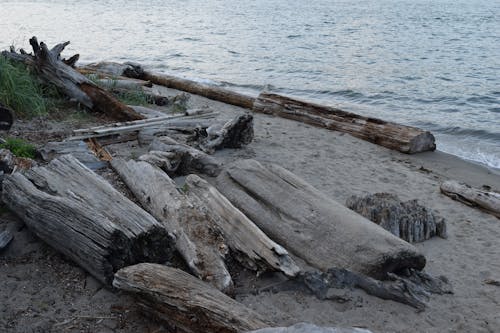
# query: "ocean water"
[432,64]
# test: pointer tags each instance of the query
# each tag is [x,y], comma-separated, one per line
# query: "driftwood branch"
[486,200]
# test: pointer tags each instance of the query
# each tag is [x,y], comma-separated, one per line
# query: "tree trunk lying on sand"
[199,243]
[80,214]
[405,139]
[179,160]
[408,220]
[249,244]
[185,302]
[51,69]
[319,230]
[486,200]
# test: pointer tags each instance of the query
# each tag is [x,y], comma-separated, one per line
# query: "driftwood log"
[179,160]
[79,149]
[84,217]
[52,70]
[248,243]
[185,302]
[487,200]
[405,139]
[232,134]
[311,226]
[202,246]
[408,220]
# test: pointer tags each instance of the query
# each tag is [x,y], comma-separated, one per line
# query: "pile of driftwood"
[259,215]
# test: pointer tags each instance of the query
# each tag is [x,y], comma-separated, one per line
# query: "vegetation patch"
[21,91]
[19,147]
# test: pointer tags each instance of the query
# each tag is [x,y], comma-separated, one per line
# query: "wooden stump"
[319,230]
[84,217]
[185,302]
[405,139]
[407,220]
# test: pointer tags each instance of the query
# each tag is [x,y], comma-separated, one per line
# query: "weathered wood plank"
[185,302]
[405,139]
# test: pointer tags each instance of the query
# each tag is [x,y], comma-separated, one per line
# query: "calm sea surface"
[432,64]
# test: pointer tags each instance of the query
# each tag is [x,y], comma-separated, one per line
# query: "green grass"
[133,97]
[19,147]
[21,91]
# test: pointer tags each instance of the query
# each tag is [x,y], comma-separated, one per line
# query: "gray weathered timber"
[311,226]
[233,134]
[84,217]
[487,200]
[405,139]
[185,302]
[249,244]
[408,220]
[178,159]
[79,150]
[51,69]
[198,241]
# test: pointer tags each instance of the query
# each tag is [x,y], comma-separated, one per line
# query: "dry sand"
[43,292]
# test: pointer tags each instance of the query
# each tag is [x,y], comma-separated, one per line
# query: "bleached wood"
[486,200]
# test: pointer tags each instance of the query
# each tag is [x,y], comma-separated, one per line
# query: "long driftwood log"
[408,220]
[405,139]
[248,243]
[198,241]
[84,217]
[311,226]
[185,302]
[52,70]
[179,160]
[486,200]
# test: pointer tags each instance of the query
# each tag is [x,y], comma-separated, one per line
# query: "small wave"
[467,132]
[293,36]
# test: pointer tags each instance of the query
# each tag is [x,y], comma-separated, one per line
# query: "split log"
[179,160]
[233,134]
[84,217]
[5,238]
[311,226]
[199,243]
[407,220]
[486,200]
[405,139]
[51,69]
[185,302]
[249,244]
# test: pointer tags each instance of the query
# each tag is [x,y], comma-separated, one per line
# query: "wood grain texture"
[487,200]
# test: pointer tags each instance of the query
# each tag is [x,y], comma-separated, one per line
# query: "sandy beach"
[41,291]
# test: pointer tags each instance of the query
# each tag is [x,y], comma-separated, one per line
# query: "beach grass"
[22,92]
[19,147]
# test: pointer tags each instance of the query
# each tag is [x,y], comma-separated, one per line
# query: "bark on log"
[486,200]
[179,160]
[51,69]
[208,91]
[232,134]
[407,220]
[185,302]
[199,243]
[249,244]
[405,139]
[317,229]
[84,217]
